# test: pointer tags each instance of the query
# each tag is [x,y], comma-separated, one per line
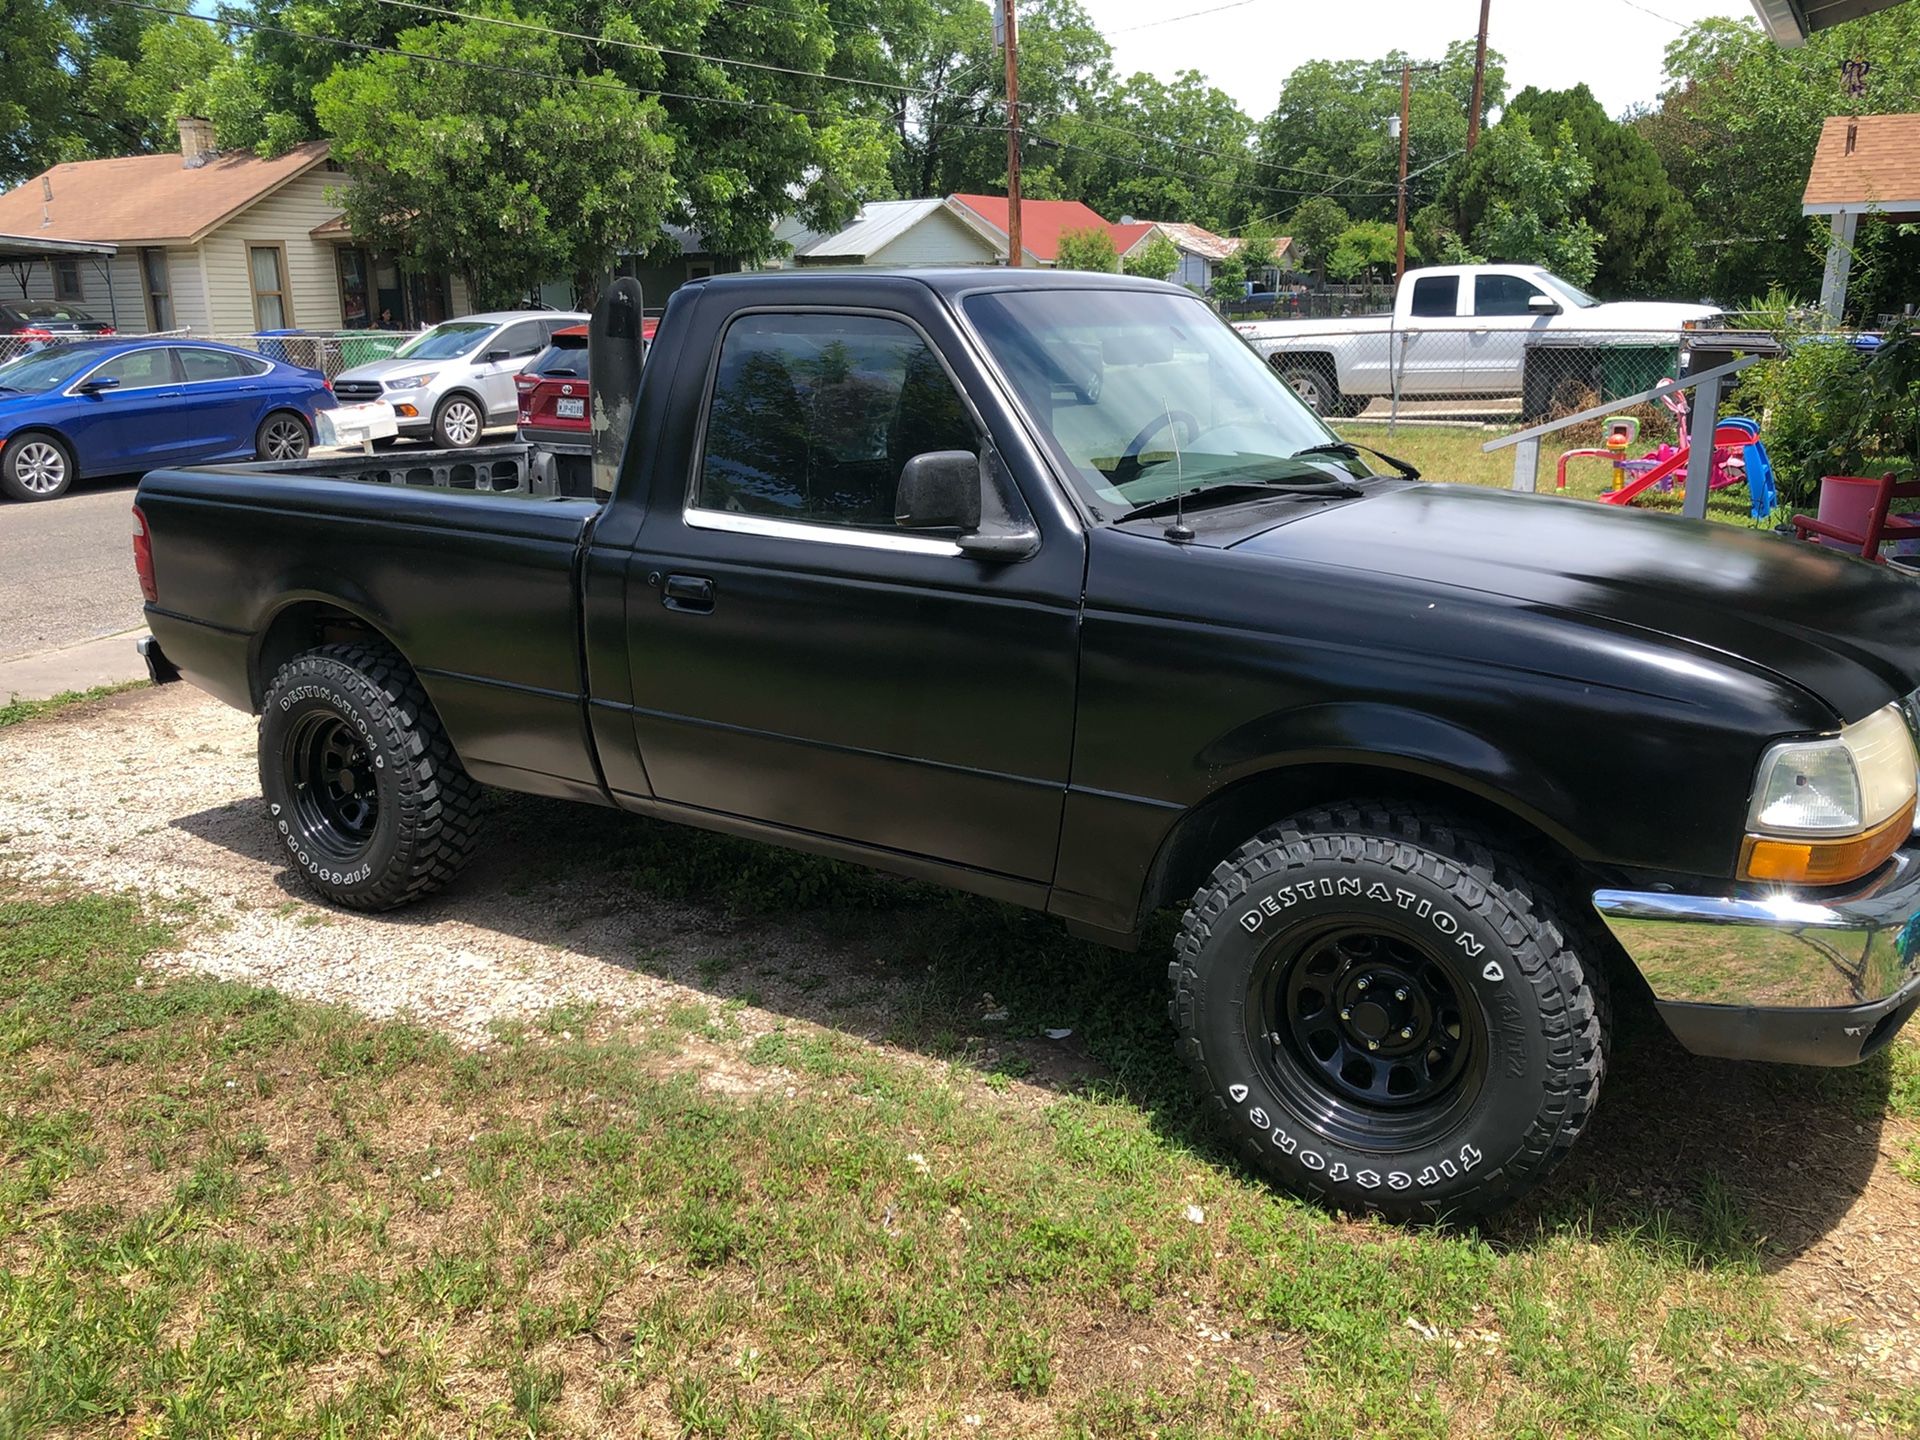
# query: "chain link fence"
[1470,374]
[329,352]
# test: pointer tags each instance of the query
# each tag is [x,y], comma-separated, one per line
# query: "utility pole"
[1479,79]
[1400,225]
[1011,28]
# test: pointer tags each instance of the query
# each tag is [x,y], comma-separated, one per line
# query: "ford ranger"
[1043,586]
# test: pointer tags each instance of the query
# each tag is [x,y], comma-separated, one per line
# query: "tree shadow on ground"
[1746,1164]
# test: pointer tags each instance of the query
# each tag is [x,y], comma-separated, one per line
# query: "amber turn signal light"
[1804,861]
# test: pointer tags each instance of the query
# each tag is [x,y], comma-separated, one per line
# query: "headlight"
[412,382]
[1828,811]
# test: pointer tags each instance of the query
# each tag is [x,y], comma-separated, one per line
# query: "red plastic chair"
[1879,527]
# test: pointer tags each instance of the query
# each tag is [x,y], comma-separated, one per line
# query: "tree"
[1328,135]
[1514,201]
[1229,280]
[488,170]
[1158,259]
[1315,226]
[1644,225]
[1160,150]
[1362,248]
[1736,129]
[1086,250]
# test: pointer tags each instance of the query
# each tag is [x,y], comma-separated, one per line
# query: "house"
[1042,222]
[1789,22]
[217,243]
[1200,250]
[1862,165]
[897,232]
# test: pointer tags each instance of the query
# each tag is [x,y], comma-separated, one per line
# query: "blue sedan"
[109,407]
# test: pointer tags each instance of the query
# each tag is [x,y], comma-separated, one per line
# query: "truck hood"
[1844,630]
[1635,315]
[384,370]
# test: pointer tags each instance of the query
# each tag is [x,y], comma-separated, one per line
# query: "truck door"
[799,660]
[1427,341]
[1504,315]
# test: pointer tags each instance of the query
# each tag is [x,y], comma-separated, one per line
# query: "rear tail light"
[525,382]
[143,557]
[36,334]
[108,330]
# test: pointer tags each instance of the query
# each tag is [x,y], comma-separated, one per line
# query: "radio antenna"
[1179,532]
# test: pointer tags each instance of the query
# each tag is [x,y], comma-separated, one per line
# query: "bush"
[1087,250]
[1827,408]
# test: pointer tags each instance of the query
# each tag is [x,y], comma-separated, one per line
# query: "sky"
[1247,49]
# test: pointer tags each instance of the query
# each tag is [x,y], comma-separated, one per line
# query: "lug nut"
[1362,983]
[1346,1014]
[1373,1044]
[1407,1033]
[1400,994]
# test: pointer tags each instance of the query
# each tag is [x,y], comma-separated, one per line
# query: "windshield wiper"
[1348,448]
[1229,489]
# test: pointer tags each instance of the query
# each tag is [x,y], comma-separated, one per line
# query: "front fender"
[1397,738]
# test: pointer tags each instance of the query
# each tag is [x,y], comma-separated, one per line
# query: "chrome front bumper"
[1813,981]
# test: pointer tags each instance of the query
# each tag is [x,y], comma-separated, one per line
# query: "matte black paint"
[1041,730]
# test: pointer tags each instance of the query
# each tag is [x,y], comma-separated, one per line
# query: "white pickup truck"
[1466,332]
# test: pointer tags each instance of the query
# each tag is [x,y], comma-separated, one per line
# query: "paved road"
[66,568]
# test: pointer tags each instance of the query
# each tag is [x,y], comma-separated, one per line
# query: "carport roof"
[1789,22]
[37,247]
[1865,162]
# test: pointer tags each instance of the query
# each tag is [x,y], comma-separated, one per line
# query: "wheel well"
[293,410]
[301,627]
[1309,360]
[1211,831]
[49,433]
[461,393]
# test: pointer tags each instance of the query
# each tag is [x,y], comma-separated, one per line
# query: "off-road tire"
[427,810]
[1490,920]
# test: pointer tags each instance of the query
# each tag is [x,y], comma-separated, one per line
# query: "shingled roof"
[1865,162]
[148,199]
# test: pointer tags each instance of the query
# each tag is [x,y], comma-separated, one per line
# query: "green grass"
[1452,453]
[226,1212]
[17,711]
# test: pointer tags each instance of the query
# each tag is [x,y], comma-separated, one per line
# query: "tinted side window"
[563,357]
[139,369]
[525,337]
[813,417]
[1503,295]
[1436,295]
[216,365]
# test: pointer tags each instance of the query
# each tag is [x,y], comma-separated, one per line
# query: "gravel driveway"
[157,791]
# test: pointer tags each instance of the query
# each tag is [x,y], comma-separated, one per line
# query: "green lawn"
[225,1212]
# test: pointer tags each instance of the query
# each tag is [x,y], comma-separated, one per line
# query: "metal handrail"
[1705,416]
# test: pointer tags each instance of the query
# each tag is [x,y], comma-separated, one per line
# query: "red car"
[556,402]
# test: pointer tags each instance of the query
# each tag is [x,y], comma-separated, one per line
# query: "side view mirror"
[953,491]
[1543,305]
[99,384]
[939,490]
[494,357]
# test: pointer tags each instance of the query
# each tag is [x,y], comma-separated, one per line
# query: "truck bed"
[244,553]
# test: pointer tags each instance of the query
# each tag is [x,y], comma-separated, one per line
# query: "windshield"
[1567,288]
[47,369]
[1142,393]
[444,342]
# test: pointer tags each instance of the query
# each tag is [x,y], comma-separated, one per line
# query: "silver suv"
[453,381]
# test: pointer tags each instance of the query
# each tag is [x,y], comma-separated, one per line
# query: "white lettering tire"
[1267,1013]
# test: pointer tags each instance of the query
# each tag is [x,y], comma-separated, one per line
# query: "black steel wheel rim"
[1374,1036]
[336,795]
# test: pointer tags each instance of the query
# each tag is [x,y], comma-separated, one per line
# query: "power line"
[1171,19]
[1635,5]
[425,57]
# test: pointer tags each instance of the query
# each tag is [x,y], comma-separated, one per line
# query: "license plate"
[570,409]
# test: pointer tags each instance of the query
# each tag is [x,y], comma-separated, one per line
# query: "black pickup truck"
[1044,586]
